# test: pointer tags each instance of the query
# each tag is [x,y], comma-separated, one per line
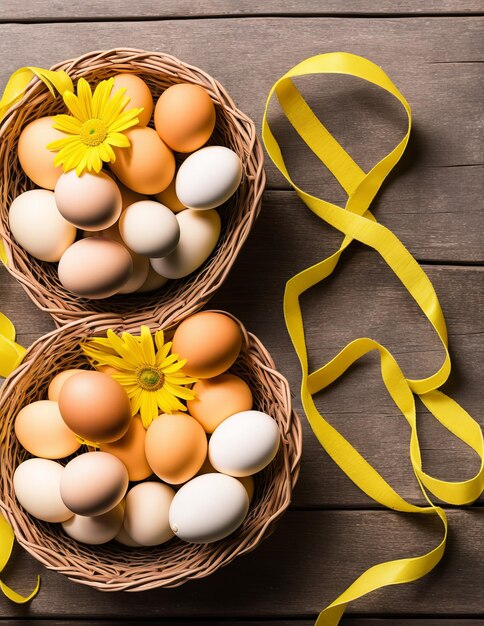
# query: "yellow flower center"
[93,132]
[150,378]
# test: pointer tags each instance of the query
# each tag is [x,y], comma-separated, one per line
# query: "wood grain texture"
[53,10]
[306,563]
[440,77]
[432,202]
[346,621]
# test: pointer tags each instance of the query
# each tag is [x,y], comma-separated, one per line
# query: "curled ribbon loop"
[6,545]
[18,82]
[356,222]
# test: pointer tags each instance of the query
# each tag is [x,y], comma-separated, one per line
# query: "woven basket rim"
[275,484]
[181,297]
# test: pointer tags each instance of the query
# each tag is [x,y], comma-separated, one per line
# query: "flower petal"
[160,340]
[100,97]
[147,347]
[114,106]
[58,144]
[74,106]
[125,120]
[84,95]
[67,124]
[118,139]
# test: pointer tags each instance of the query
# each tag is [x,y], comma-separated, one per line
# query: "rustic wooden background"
[433,50]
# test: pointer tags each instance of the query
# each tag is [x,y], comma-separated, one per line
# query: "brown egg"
[57,382]
[218,398]
[93,483]
[130,449]
[42,432]
[176,447]
[36,161]
[185,117]
[95,406]
[107,369]
[148,165]
[90,201]
[210,342]
[169,198]
[141,264]
[95,267]
[139,95]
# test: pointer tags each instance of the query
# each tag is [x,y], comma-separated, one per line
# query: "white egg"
[208,508]
[199,233]
[37,225]
[244,443]
[37,486]
[149,228]
[146,513]
[208,177]
[95,530]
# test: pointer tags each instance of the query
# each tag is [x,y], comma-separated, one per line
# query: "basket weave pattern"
[179,298]
[113,567]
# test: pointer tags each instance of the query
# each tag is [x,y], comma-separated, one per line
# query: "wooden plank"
[152,9]
[440,78]
[363,298]
[306,563]
[346,621]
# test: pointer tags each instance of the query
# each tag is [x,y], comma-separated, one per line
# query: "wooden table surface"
[433,50]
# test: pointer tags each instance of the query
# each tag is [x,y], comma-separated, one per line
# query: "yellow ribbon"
[6,545]
[19,81]
[11,355]
[357,223]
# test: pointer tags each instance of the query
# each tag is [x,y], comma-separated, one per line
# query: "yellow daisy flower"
[153,379]
[96,124]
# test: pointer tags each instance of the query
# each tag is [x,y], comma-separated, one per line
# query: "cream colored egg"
[93,483]
[57,382]
[95,530]
[199,233]
[153,281]
[139,95]
[40,429]
[208,177]
[146,514]
[208,508]
[36,160]
[37,225]
[124,539]
[37,486]
[90,201]
[95,268]
[149,228]
[244,443]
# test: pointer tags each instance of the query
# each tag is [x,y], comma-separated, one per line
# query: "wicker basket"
[112,567]
[178,298]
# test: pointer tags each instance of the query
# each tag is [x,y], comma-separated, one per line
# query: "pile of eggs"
[189,474]
[142,222]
